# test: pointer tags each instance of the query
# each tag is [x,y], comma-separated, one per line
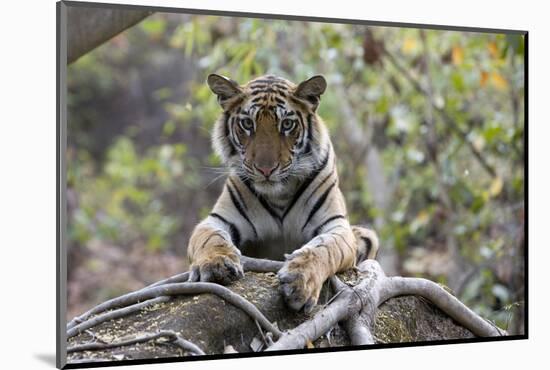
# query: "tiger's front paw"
[220,267]
[300,281]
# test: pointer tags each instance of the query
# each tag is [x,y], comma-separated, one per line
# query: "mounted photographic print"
[234,184]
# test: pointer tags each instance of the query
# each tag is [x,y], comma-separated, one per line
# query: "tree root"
[355,307]
[135,301]
[170,335]
[189,288]
[111,315]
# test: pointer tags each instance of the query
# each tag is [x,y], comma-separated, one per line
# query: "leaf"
[491,133]
[420,221]
[499,81]
[154,27]
[493,49]
[457,55]
[496,187]
[409,45]
[483,78]
[458,82]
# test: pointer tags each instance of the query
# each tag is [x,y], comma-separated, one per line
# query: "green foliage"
[123,202]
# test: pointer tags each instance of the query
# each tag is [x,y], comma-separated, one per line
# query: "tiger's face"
[269,132]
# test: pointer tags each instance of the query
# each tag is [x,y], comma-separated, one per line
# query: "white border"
[27,152]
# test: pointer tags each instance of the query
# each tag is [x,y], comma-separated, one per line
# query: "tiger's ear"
[311,90]
[223,87]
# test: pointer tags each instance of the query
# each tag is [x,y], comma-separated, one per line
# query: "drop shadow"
[47,358]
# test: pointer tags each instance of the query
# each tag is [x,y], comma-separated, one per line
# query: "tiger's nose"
[266,170]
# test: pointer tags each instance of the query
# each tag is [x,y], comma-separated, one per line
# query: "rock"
[213,324]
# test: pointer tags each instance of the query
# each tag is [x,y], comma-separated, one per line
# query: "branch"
[349,302]
[115,314]
[172,338]
[359,305]
[192,288]
[260,265]
[446,302]
[87,28]
[312,329]
[359,333]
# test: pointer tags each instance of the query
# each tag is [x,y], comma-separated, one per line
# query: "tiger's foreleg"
[212,253]
[307,268]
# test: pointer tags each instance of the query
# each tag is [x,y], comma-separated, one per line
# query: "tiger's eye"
[287,125]
[246,124]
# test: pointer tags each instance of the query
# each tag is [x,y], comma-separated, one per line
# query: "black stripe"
[279,100]
[235,135]
[264,81]
[286,166]
[258,84]
[300,144]
[300,116]
[227,133]
[318,229]
[368,242]
[345,241]
[279,208]
[333,228]
[259,91]
[235,234]
[318,204]
[298,101]
[239,207]
[210,237]
[280,86]
[226,123]
[340,253]
[319,186]
[309,127]
[336,248]
[241,199]
[262,200]
[305,184]
[309,134]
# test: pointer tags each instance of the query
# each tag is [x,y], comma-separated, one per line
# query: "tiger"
[281,198]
